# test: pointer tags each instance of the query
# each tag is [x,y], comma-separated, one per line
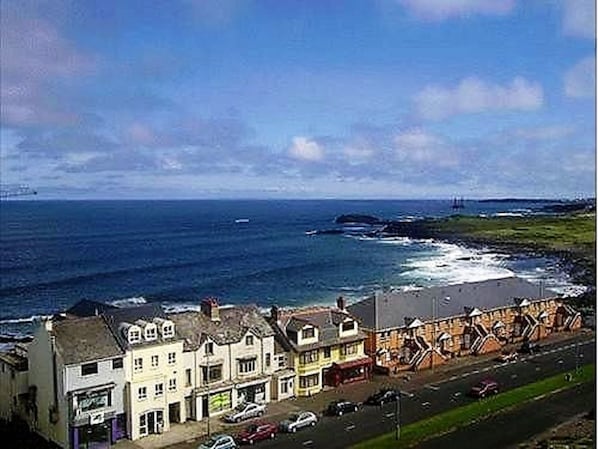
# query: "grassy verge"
[462,416]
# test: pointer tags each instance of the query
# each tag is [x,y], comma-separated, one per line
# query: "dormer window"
[134,336]
[167,330]
[308,332]
[151,333]
[249,340]
[348,326]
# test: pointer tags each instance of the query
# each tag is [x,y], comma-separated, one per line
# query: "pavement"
[423,385]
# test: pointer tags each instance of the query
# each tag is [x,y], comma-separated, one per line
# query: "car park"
[219,442]
[507,357]
[486,387]
[340,407]
[298,421]
[383,396]
[245,411]
[257,432]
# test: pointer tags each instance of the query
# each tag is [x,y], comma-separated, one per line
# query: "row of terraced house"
[98,373]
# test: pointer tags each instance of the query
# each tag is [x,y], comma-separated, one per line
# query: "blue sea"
[55,253]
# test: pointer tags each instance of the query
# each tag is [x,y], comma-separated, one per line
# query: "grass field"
[411,434]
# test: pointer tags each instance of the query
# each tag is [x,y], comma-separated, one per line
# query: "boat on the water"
[242,220]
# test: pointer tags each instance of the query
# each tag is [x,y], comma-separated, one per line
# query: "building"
[421,328]
[153,367]
[228,354]
[76,383]
[324,347]
[14,383]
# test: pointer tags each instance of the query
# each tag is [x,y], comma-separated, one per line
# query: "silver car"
[245,411]
[219,442]
[298,421]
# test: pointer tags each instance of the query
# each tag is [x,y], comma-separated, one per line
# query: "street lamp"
[398,416]
[208,385]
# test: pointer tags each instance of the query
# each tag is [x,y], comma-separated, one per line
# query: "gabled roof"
[195,327]
[80,340]
[87,307]
[388,310]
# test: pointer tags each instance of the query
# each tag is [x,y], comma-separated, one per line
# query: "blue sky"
[298,99]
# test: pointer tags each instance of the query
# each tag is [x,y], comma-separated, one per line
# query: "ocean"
[55,253]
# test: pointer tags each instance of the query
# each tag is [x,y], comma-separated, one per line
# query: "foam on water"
[128,302]
[24,320]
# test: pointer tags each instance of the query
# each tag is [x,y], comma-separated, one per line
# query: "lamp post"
[208,385]
[398,416]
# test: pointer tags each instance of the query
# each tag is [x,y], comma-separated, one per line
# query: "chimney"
[341,303]
[209,307]
[274,314]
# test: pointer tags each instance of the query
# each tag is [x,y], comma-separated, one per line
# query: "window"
[188,377]
[214,374]
[143,424]
[284,387]
[93,400]
[150,333]
[155,361]
[327,352]
[268,360]
[309,357]
[247,366]
[348,326]
[159,389]
[138,365]
[172,384]
[310,332]
[281,361]
[89,368]
[171,358]
[134,336]
[117,363]
[209,348]
[249,340]
[349,349]
[168,331]
[309,381]
[142,393]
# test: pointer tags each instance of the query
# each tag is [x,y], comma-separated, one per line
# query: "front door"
[151,422]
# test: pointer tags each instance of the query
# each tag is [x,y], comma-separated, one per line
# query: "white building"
[14,383]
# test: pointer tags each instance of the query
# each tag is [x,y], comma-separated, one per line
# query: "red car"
[485,388]
[257,432]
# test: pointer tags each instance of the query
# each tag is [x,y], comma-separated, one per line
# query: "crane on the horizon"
[10,190]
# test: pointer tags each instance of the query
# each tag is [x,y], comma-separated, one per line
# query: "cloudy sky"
[298,99]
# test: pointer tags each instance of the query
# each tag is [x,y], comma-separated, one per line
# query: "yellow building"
[324,347]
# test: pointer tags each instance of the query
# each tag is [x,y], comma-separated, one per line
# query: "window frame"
[93,365]
[140,396]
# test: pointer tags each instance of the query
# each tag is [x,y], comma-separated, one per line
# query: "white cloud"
[580,80]
[419,147]
[579,19]
[437,10]
[544,133]
[306,149]
[473,95]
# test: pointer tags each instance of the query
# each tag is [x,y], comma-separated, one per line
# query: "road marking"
[537,368]
[475,371]
[407,393]
[486,369]
[389,415]
[426,404]
[351,427]
[458,393]
[513,376]
[560,361]
[433,387]
[465,375]
[308,443]
[453,378]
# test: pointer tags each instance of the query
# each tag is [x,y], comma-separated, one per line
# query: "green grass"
[462,416]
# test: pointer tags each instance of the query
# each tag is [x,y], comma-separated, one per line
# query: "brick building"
[422,328]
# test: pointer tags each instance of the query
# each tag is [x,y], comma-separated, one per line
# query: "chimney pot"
[209,307]
[341,303]
[274,313]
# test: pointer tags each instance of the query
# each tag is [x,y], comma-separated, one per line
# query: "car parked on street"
[257,432]
[530,347]
[383,396]
[298,421]
[219,442]
[486,387]
[245,411]
[507,357]
[340,407]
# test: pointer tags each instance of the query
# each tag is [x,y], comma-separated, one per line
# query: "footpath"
[191,433]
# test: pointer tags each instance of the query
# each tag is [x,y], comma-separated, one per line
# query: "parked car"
[486,387]
[507,357]
[298,421]
[257,432]
[219,442]
[383,396]
[245,411]
[530,347]
[340,407]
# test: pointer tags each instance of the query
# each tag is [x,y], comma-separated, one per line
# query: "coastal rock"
[357,218]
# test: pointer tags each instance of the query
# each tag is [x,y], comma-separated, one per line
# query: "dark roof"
[87,307]
[195,327]
[18,362]
[81,340]
[326,319]
[387,310]
[146,312]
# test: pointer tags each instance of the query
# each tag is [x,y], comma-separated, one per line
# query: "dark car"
[340,407]
[383,396]
[529,347]
[257,432]
[487,387]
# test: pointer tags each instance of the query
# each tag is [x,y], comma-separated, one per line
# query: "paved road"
[341,432]
[508,430]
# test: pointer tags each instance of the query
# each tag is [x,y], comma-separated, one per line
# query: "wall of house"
[12,384]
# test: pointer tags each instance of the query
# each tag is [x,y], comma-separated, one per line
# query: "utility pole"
[398,417]
[208,385]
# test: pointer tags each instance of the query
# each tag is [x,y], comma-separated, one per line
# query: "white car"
[245,411]
[219,442]
[298,421]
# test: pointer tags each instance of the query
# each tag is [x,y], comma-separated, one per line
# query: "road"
[331,433]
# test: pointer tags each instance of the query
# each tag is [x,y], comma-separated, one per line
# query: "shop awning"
[353,363]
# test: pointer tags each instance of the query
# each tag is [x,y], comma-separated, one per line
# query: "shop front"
[348,372]
[98,431]
[252,393]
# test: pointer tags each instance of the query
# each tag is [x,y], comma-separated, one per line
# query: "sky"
[178,99]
